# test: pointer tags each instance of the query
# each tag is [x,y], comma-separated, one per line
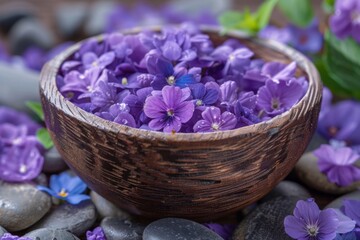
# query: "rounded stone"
[337,203]
[18,86]
[308,172]
[266,222]
[316,142]
[76,219]
[11,12]
[2,231]
[106,208]
[50,234]
[117,228]
[30,32]
[70,17]
[97,17]
[21,205]
[178,229]
[287,189]
[53,161]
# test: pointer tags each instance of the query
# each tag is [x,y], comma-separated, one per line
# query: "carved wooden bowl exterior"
[190,175]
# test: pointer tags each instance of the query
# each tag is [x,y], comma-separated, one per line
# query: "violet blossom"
[204,95]
[276,98]
[341,122]
[345,21]
[223,230]
[96,234]
[338,164]
[66,187]
[351,209]
[170,110]
[309,222]
[282,35]
[8,236]
[214,120]
[308,39]
[90,60]
[20,152]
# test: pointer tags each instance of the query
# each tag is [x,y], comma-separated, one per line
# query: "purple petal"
[328,223]
[171,50]
[172,96]
[173,126]
[154,107]
[351,209]
[307,210]
[295,228]
[345,223]
[125,119]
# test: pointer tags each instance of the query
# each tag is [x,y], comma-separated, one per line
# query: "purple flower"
[119,113]
[136,103]
[276,98]
[310,223]
[106,94]
[308,40]
[96,234]
[204,95]
[67,188]
[338,164]
[165,74]
[282,35]
[214,120]
[341,122]
[225,231]
[346,19]
[20,156]
[170,110]
[16,118]
[235,60]
[34,58]
[351,209]
[91,60]
[8,236]
[245,109]
[84,84]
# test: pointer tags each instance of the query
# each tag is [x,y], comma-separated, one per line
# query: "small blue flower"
[67,188]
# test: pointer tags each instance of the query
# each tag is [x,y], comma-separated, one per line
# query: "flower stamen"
[63,193]
[171,80]
[124,81]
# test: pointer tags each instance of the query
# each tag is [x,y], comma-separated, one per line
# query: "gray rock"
[73,218]
[315,142]
[41,180]
[106,208]
[53,161]
[267,221]
[18,86]
[117,228]
[11,12]
[308,172]
[30,32]
[70,17]
[287,189]
[2,231]
[178,229]
[97,17]
[50,234]
[337,203]
[21,205]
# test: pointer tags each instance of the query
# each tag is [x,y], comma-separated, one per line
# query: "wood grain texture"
[199,175]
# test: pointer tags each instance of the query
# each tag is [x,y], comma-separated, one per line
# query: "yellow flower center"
[63,193]
[124,81]
[171,80]
[199,102]
[215,126]
[275,104]
[313,230]
[170,112]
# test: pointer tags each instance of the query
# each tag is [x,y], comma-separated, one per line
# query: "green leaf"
[44,138]
[328,6]
[36,108]
[247,21]
[299,12]
[264,12]
[342,63]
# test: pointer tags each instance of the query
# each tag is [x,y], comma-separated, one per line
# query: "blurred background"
[47,23]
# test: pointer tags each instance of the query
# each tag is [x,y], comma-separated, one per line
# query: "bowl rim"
[48,87]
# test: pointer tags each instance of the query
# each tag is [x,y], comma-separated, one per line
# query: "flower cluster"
[96,234]
[177,81]
[20,152]
[310,223]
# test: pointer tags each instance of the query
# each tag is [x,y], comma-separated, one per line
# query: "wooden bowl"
[192,175]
